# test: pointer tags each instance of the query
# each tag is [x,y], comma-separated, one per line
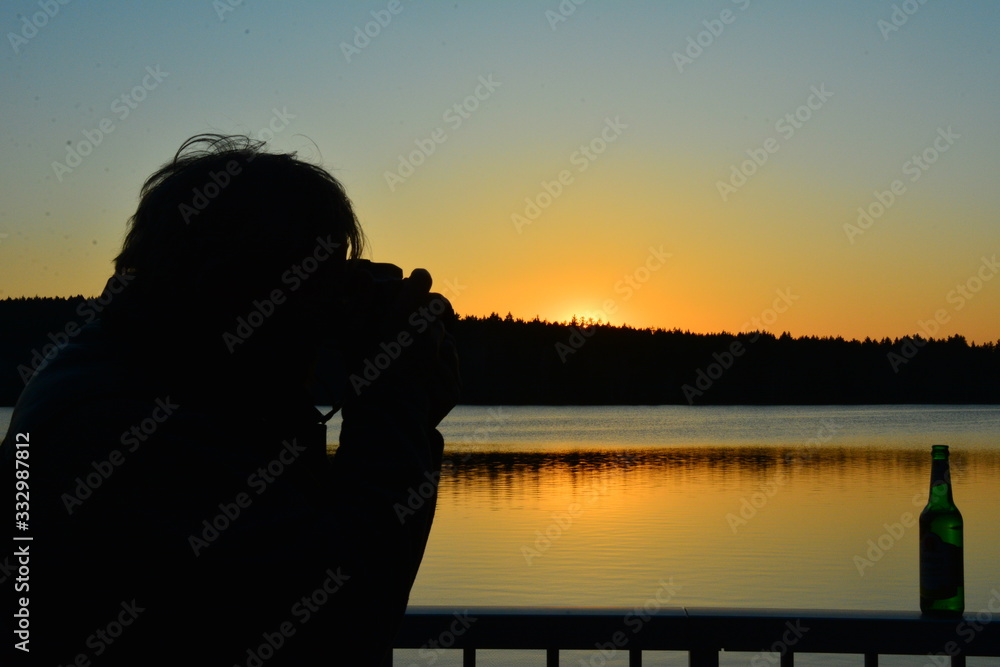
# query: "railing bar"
[469,657]
[700,633]
[551,657]
[787,659]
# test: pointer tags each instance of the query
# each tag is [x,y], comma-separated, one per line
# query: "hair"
[226,217]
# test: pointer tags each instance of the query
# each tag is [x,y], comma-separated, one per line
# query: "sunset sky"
[698,165]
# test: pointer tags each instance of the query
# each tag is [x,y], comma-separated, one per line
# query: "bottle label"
[940,568]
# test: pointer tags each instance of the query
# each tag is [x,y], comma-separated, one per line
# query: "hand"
[433,356]
[405,347]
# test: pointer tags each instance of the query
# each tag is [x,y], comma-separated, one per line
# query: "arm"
[385,474]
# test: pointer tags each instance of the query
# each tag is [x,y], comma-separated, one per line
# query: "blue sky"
[554,87]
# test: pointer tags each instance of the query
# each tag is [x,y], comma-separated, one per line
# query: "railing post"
[871,659]
[468,657]
[635,658]
[551,657]
[787,659]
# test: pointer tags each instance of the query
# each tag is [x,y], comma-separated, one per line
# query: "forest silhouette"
[510,361]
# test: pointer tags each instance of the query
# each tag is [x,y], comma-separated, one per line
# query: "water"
[786,507]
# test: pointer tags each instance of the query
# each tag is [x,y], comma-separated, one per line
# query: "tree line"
[509,361]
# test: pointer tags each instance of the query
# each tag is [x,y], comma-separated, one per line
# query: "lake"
[805,507]
[794,507]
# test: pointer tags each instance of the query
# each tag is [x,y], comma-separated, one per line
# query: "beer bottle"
[942,580]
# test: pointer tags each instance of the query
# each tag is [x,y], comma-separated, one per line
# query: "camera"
[366,298]
[387,278]
[377,317]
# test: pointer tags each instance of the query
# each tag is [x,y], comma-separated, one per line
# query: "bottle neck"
[940,493]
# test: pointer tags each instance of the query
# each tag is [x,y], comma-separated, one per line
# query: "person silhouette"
[183,506]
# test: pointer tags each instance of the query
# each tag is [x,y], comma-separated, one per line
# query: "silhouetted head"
[224,227]
[224,211]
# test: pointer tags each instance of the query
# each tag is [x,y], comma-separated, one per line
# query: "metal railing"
[701,632]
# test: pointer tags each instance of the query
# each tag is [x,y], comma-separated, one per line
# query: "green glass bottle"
[942,578]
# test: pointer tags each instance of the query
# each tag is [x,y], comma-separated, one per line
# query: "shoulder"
[85,373]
